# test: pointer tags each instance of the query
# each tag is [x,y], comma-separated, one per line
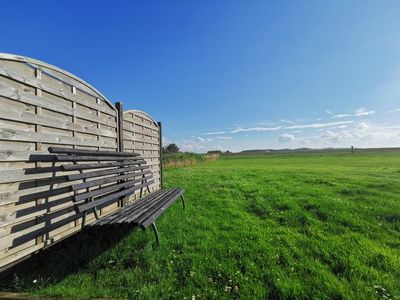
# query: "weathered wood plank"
[60,150]
[36,83]
[27,98]
[14,113]
[19,135]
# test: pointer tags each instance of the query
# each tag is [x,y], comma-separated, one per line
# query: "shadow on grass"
[53,264]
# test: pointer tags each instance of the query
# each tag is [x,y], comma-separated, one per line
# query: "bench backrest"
[103,177]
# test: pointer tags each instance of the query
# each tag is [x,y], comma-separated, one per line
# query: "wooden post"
[120,127]
[120,109]
[352,150]
[161,155]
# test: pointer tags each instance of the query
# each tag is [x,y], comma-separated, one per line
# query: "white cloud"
[297,126]
[214,133]
[286,138]
[241,129]
[328,112]
[317,125]
[358,113]
[224,137]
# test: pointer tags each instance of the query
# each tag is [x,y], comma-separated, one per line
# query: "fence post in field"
[352,150]
[161,154]
[120,110]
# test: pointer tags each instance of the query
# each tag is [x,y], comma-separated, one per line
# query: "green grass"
[275,226]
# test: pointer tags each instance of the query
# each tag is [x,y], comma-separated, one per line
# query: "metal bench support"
[154,226]
[183,202]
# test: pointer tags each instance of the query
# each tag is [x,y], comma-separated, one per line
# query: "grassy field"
[273,226]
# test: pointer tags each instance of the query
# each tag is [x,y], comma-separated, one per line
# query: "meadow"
[310,225]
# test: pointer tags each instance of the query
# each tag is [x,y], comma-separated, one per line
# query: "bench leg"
[96,215]
[153,225]
[183,202]
[84,219]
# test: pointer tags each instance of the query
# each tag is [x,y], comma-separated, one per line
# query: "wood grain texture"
[42,107]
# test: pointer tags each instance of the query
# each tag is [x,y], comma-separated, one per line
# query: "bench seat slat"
[84,185]
[112,197]
[105,172]
[80,167]
[148,207]
[144,211]
[60,150]
[151,217]
[75,158]
[126,210]
[107,189]
[145,205]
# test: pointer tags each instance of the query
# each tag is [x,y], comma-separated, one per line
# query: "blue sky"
[230,75]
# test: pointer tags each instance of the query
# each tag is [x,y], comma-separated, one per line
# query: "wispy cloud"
[358,113]
[215,133]
[317,125]
[296,126]
[241,129]
[224,137]
[200,139]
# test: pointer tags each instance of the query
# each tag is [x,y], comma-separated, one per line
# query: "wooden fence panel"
[42,106]
[142,135]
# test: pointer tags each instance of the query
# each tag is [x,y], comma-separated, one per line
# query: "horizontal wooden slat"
[112,198]
[105,172]
[27,98]
[108,189]
[84,185]
[15,114]
[137,161]
[149,218]
[90,152]
[19,135]
[36,83]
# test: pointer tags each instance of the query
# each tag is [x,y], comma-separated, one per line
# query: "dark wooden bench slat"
[76,158]
[147,218]
[84,185]
[76,167]
[60,150]
[107,189]
[142,207]
[45,194]
[112,197]
[148,205]
[105,172]
[126,210]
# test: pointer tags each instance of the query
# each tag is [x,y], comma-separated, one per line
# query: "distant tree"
[171,148]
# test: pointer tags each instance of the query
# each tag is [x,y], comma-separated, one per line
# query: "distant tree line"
[171,148]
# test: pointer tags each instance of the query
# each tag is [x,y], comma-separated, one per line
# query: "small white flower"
[34,280]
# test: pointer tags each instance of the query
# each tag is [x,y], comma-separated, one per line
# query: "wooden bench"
[107,177]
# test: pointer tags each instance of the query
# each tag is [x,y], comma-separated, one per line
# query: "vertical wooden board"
[141,135]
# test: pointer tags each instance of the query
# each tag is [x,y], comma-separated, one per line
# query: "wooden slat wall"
[142,135]
[42,106]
